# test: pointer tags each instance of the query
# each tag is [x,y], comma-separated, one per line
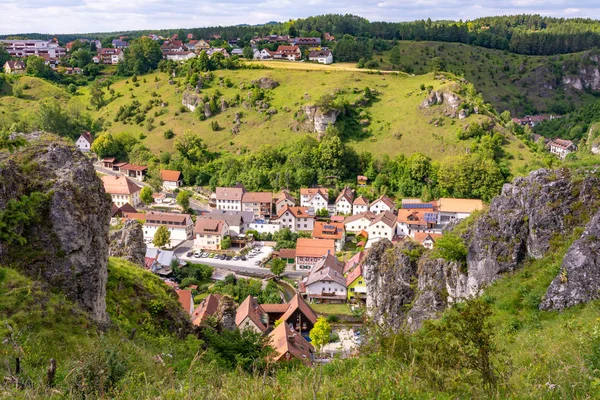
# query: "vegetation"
[278,266]
[239,289]
[146,195]
[320,334]
[162,237]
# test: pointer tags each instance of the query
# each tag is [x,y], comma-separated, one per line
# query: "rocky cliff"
[65,242]
[316,120]
[128,243]
[521,223]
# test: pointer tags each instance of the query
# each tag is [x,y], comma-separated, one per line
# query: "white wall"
[229,205]
[179,233]
[343,207]
[327,287]
[358,225]
[357,209]
[378,207]
[265,228]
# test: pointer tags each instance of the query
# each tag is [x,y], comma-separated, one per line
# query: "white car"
[197,254]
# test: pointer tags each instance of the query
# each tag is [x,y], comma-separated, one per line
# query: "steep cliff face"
[579,278]
[128,243]
[68,247]
[317,121]
[390,274]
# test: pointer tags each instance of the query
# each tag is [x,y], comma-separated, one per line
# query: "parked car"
[197,254]
[236,258]
[223,256]
[257,262]
[204,255]
[228,258]
[243,258]
[189,254]
[211,255]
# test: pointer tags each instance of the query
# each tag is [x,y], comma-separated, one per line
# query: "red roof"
[355,273]
[185,298]
[208,307]
[328,230]
[170,175]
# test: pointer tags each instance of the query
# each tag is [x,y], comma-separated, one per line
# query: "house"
[208,307]
[418,220]
[122,190]
[425,239]
[291,53]
[331,230]
[137,172]
[328,37]
[180,226]
[325,281]
[202,45]
[171,179]
[309,251]
[237,52]
[307,41]
[321,56]
[383,226]
[28,47]
[290,345]
[259,203]
[297,218]
[237,221]
[158,197]
[561,147]
[284,198]
[186,300]
[382,204]
[117,212]
[172,46]
[256,54]
[250,315]
[120,44]
[360,205]
[317,198]
[190,36]
[109,56]
[229,199]
[451,209]
[108,162]
[209,233]
[264,54]
[14,67]
[358,222]
[354,261]
[160,262]
[362,180]
[179,56]
[84,143]
[356,284]
[343,203]
[214,50]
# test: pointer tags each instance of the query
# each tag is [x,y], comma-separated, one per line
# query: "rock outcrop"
[451,99]
[390,273]
[316,120]
[579,278]
[67,247]
[226,313]
[128,243]
[265,83]
[191,101]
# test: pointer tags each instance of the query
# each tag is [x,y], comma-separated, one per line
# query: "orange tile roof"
[170,175]
[347,194]
[421,236]
[285,195]
[353,275]
[314,247]
[298,303]
[209,226]
[257,197]
[208,307]
[328,230]
[361,201]
[119,185]
[354,261]
[287,253]
[135,216]
[250,308]
[297,212]
[287,344]
[459,205]
[185,298]
[313,191]
[275,308]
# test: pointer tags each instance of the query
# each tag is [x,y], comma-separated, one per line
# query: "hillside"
[519,83]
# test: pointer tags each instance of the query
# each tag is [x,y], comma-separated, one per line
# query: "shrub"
[169,134]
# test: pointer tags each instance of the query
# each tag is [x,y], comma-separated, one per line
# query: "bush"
[214,125]
[169,134]
[333,319]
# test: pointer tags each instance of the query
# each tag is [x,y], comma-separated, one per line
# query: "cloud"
[80,16]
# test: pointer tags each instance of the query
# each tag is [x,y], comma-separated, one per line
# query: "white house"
[331,230]
[258,203]
[343,203]
[84,143]
[321,56]
[237,221]
[297,218]
[358,222]
[171,179]
[360,205]
[561,147]
[122,190]
[317,198]
[427,240]
[180,226]
[229,198]
[179,56]
[383,226]
[310,251]
[209,233]
[418,220]
[284,198]
[265,227]
[382,204]
[326,282]
[264,54]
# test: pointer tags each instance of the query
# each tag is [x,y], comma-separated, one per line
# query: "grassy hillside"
[519,83]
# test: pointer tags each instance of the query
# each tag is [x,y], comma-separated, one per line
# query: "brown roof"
[109,159]
[313,191]
[387,201]
[367,214]
[327,274]
[170,175]
[297,212]
[328,230]
[224,193]
[285,195]
[257,197]
[134,167]
[413,216]
[250,308]
[288,343]
[328,261]
[361,201]
[298,303]
[352,275]
[208,307]
[347,194]
[420,237]
[562,143]
[209,226]
[387,218]
[314,247]
[185,298]
[88,137]
[128,208]
[275,308]
[119,185]
[459,205]
[135,216]
[165,218]
[354,261]
[16,64]
[287,253]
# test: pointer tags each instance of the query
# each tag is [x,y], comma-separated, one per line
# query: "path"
[309,66]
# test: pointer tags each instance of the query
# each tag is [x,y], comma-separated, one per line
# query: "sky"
[81,16]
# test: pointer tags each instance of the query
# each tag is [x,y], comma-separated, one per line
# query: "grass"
[332,309]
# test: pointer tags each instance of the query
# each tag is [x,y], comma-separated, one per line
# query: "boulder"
[265,83]
[128,243]
[191,100]
[316,120]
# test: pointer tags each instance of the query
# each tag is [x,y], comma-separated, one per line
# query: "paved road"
[243,267]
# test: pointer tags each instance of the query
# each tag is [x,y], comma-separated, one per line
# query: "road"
[242,267]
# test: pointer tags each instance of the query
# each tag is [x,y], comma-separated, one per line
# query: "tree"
[395,55]
[189,145]
[248,53]
[4,56]
[278,266]
[146,195]
[142,56]
[451,247]
[320,334]
[81,58]
[72,88]
[96,95]
[162,236]
[183,199]
[37,67]
[226,243]
[437,65]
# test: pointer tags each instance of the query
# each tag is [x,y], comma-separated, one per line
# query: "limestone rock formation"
[226,313]
[451,99]
[67,248]
[579,278]
[265,83]
[316,120]
[128,243]
[191,101]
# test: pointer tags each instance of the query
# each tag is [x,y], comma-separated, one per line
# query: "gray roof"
[233,218]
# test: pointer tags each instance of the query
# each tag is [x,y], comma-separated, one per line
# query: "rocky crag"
[65,242]
[521,223]
[128,243]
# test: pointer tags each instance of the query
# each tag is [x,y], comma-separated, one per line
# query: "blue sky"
[70,16]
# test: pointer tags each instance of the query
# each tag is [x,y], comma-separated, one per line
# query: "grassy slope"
[486,69]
